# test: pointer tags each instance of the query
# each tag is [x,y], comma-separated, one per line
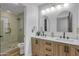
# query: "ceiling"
[17,8]
[33,4]
[14,8]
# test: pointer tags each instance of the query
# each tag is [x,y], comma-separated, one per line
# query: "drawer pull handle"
[1,36]
[48,49]
[36,41]
[48,43]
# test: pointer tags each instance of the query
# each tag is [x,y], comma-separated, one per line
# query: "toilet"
[21,46]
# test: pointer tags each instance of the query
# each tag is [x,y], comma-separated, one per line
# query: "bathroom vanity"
[62,24]
[48,46]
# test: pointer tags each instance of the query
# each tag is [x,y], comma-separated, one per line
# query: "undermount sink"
[64,39]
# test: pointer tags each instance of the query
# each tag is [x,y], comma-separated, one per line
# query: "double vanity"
[58,33]
[54,46]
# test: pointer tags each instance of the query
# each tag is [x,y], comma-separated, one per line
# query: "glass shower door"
[1,31]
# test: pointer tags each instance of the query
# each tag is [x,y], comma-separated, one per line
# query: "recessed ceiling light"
[66,5]
[47,10]
[58,7]
[52,8]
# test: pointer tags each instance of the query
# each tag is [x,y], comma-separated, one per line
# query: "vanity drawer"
[48,43]
[48,51]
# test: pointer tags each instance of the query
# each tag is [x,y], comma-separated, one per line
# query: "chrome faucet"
[64,35]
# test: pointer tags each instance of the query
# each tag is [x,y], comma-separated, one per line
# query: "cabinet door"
[61,50]
[77,50]
[72,50]
[56,49]
[41,47]
[35,47]
[65,49]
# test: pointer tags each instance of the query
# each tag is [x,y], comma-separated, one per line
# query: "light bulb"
[52,8]
[58,7]
[66,5]
[47,10]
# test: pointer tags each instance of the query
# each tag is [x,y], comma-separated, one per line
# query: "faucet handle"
[67,37]
[60,36]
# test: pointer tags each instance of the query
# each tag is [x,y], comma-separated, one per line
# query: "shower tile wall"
[9,41]
[21,28]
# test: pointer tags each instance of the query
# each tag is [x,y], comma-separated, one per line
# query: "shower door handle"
[1,36]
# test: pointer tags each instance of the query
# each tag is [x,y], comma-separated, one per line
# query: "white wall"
[30,20]
[78,22]
[73,8]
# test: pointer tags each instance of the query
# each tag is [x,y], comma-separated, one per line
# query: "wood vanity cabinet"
[42,47]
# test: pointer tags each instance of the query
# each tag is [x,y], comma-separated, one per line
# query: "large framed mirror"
[64,21]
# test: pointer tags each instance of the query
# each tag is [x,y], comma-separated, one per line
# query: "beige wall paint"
[9,41]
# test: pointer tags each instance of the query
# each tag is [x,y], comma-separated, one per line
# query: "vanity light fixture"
[58,6]
[43,12]
[66,5]
[47,10]
[52,8]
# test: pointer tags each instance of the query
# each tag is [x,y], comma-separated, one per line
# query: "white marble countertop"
[62,40]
